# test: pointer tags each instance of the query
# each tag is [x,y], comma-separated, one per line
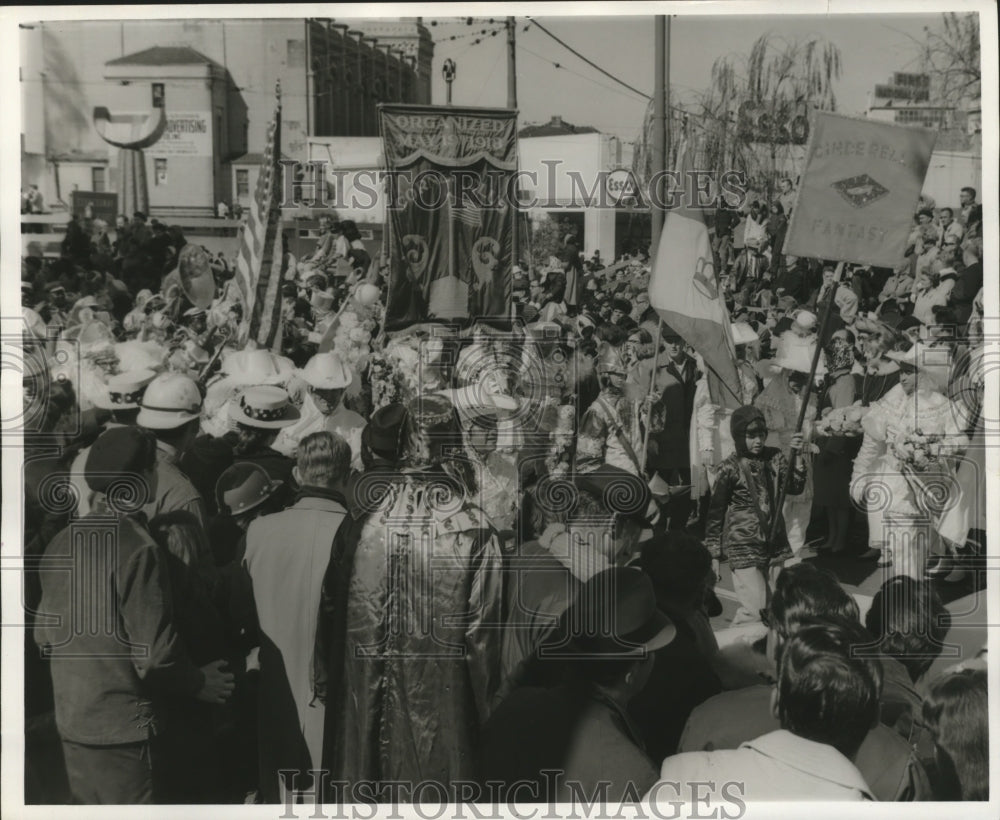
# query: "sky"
[872,47]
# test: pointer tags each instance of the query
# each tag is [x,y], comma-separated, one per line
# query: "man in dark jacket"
[106,680]
[669,451]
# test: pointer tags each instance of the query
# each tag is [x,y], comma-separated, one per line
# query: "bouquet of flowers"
[919,451]
[924,465]
[842,421]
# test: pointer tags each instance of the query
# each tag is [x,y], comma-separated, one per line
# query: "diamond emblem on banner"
[860,190]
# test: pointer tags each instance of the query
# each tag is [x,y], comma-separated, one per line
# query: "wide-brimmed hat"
[264,406]
[169,401]
[326,371]
[243,487]
[248,367]
[913,358]
[385,432]
[124,390]
[614,615]
[480,400]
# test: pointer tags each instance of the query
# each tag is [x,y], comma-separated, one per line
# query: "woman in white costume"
[899,508]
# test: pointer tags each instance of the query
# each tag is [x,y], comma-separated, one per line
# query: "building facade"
[218,79]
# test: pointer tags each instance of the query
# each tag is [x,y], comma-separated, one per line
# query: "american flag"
[466,211]
[259,265]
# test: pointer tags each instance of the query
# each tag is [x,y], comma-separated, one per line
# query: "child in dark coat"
[742,510]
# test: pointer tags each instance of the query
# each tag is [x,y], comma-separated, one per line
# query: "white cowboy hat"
[124,390]
[326,371]
[264,406]
[248,367]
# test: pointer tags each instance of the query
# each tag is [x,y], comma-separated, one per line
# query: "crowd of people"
[480,564]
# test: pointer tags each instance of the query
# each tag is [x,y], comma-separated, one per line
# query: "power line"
[575,73]
[590,62]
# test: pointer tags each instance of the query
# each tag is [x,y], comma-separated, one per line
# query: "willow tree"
[757,102]
[951,52]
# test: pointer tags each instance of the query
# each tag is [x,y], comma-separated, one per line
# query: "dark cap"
[614,615]
[620,491]
[244,487]
[384,433]
[118,451]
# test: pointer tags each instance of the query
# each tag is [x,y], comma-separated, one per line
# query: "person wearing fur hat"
[742,512]
[780,402]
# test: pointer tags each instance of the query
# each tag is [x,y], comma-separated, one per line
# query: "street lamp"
[448,71]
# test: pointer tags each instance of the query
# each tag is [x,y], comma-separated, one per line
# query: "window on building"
[160,171]
[98,179]
[242,183]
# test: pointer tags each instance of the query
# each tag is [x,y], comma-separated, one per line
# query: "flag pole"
[652,391]
[806,389]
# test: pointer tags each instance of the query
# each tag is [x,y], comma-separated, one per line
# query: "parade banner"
[859,189]
[450,213]
[684,291]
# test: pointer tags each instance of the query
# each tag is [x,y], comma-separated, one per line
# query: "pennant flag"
[859,189]
[260,263]
[684,290]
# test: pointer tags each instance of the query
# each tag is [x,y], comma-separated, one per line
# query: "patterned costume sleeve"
[724,483]
[591,443]
[482,637]
[797,479]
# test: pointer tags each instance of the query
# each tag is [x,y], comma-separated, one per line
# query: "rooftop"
[555,127]
[163,55]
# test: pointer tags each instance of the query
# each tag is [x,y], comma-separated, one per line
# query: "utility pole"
[511,25]
[659,128]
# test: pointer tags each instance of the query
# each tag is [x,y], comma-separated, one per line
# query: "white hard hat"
[172,399]
[326,371]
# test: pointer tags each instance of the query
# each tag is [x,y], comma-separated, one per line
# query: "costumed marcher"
[909,435]
[781,402]
[411,686]
[611,431]
[742,512]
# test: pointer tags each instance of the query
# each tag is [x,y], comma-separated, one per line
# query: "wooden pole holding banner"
[652,391]
[807,388]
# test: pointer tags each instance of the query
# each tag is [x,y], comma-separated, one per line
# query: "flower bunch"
[352,341]
[920,451]
[842,421]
